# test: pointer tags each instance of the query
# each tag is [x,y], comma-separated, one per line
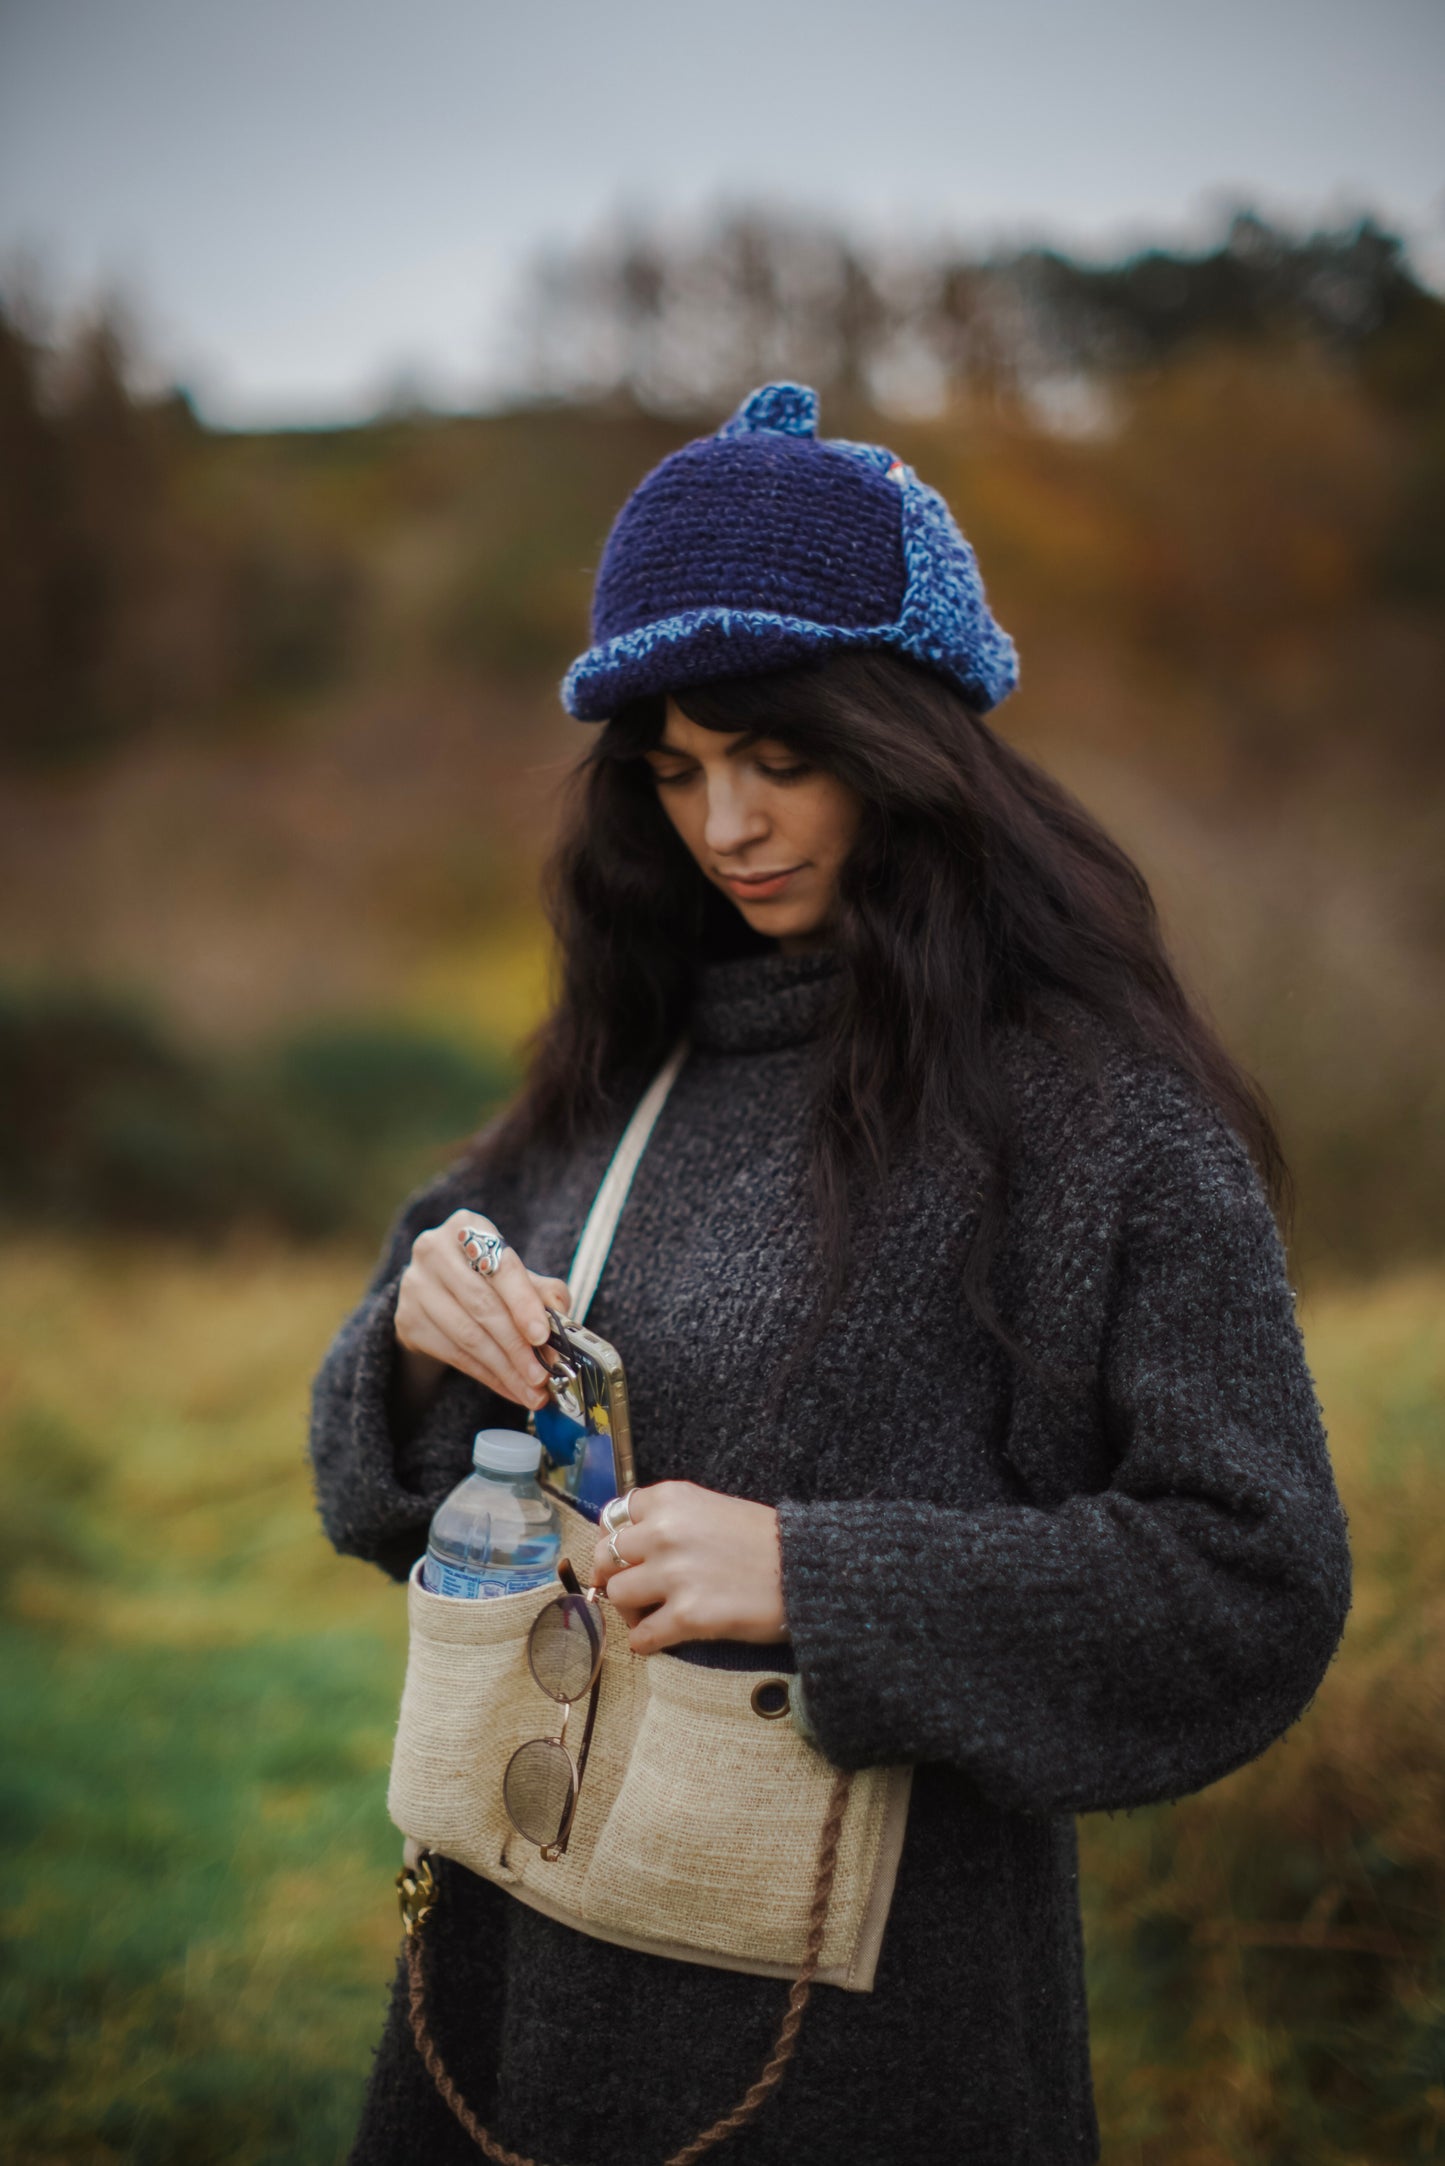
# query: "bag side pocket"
[468,1702]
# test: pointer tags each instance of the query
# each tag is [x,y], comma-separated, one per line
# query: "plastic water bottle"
[496,1533]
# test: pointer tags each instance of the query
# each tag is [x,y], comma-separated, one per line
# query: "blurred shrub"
[106,1119]
[293,610]
[377,1086]
[512,609]
[103,1117]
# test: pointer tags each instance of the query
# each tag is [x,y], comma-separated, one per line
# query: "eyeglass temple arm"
[585,1747]
[573,1585]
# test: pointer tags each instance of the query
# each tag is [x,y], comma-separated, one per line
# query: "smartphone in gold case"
[585,1430]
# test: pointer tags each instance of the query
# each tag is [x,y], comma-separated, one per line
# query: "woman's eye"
[673,774]
[784,774]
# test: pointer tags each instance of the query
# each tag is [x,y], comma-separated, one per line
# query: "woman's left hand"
[696,1566]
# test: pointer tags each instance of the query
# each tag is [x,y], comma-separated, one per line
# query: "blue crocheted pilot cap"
[765,545]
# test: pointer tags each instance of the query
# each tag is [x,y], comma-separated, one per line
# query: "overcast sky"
[310,199]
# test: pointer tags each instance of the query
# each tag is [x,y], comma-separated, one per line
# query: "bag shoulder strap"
[596,1239]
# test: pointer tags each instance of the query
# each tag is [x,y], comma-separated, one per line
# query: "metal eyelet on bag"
[771,1698]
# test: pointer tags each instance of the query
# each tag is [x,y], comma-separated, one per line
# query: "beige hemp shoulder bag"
[700,1822]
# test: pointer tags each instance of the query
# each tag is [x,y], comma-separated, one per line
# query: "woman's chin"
[794,928]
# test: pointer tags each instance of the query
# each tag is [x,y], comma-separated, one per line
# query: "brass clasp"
[416,1893]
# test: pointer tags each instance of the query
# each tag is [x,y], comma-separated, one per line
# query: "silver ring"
[617,1513]
[617,1557]
[482,1250]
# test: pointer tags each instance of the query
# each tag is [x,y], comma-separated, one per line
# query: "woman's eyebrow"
[743,741]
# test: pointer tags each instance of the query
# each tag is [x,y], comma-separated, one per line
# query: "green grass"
[197,1717]
[198,1918]
[195,1971]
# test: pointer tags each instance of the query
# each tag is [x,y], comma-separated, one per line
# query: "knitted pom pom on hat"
[764,545]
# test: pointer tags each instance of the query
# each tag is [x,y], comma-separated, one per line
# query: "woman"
[962,1358]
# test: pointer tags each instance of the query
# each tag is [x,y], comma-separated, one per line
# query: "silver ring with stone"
[482,1250]
[617,1513]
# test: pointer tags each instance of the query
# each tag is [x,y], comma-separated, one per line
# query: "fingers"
[435,1322]
[621,1583]
[513,1286]
[455,1335]
[636,1542]
[656,1614]
[491,1307]
[648,1576]
[660,1629]
[649,1504]
[694,1565]
[510,1287]
[647,1605]
[505,1309]
[488,1325]
[556,1293]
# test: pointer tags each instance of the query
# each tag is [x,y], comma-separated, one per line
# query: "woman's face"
[766,828]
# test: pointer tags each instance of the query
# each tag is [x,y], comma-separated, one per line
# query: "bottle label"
[448,1579]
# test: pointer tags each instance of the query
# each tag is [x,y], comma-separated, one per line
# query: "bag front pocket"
[701,1812]
[468,1702]
[713,1837]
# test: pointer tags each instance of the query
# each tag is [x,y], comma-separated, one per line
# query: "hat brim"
[698,644]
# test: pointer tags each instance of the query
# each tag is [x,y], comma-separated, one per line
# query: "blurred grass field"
[199,1926]
[281,756]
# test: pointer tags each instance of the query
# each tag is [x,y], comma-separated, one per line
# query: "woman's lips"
[760,890]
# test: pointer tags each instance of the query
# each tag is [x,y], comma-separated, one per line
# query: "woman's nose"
[734,818]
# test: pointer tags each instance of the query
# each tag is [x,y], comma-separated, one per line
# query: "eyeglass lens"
[538,1790]
[565,1647]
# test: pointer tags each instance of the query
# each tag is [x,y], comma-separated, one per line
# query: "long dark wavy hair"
[978,890]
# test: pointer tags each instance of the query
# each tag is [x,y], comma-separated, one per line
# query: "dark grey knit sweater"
[1106,1578]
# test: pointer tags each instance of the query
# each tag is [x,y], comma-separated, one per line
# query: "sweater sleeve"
[1133,1643]
[377,1488]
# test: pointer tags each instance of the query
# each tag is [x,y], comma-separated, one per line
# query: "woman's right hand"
[448,1315]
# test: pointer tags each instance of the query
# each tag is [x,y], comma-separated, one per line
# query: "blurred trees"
[685,322]
[78,532]
[126,597]
[151,572]
[278,714]
[278,721]
[680,321]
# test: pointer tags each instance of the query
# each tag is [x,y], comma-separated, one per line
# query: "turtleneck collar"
[758,1003]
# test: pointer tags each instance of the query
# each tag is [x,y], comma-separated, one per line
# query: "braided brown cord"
[786,2043]
[773,2069]
[436,2067]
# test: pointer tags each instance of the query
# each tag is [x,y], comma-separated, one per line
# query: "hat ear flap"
[788,409]
[945,620]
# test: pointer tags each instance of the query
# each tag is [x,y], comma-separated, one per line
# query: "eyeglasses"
[564,1652]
